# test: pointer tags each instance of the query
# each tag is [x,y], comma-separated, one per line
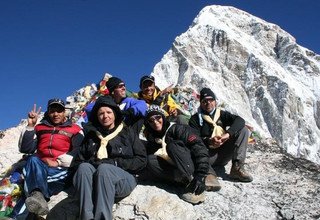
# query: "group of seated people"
[127,140]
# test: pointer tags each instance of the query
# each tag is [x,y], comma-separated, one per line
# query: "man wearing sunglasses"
[53,143]
[132,109]
[176,154]
[231,144]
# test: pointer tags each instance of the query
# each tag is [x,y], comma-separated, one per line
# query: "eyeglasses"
[154,118]
[120,86]
[206,101]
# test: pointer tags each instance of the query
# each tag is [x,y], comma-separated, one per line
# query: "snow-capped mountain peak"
[256,69]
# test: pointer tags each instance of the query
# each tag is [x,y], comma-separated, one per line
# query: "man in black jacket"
[231,144]
[110,155]
[176,154]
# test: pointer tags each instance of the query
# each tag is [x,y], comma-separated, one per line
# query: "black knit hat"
[109,102]
[112,83]
[206,93]
[146,78]
[154,110]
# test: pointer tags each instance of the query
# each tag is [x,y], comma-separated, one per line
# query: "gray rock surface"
[284,187]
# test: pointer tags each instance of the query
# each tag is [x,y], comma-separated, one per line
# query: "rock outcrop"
[284,187]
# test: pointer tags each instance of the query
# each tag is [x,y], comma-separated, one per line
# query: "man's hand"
[64,160]
[33,116]
[51,163]
[217,141]
[167,90]
[224,138]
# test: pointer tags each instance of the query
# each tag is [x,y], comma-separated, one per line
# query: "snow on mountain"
[256,69]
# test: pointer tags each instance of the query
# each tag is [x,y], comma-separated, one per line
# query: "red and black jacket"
[51,141]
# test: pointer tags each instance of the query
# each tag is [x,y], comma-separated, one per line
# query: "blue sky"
[51,48]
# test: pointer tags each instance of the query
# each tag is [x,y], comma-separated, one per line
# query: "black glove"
[197,185]
[127,112]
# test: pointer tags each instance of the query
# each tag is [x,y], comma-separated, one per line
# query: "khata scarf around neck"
[102,152]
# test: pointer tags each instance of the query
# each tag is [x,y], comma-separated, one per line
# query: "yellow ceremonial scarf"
[102,152]
[149,99]
[162,152]
[217,130]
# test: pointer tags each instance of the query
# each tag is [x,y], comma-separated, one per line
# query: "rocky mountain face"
[256,69]
[259,72]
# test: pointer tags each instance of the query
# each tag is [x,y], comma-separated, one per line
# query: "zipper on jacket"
[50,143]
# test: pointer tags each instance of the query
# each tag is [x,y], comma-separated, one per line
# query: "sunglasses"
[154,118]
[55,108]
[120,86]
[206,101]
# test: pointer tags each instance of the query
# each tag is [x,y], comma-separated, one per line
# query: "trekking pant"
[182,170]
[234,149]
[98,188]
[48,180]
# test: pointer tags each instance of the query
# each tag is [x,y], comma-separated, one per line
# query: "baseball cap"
[146,78]
[56,101]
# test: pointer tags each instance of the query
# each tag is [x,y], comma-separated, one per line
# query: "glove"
[197,185]
[65,160]
[127,112]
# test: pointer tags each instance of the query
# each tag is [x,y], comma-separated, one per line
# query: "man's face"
[56,114]
[156,122]
[208,104]
[148,88]
[120,91]
[106,117]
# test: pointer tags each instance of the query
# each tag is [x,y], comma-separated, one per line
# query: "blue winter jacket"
[131,108]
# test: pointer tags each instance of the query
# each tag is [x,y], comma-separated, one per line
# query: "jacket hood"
[109,102]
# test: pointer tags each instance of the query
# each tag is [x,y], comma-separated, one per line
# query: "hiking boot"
[37,204]
[212,183]
[238,172]
[193,198]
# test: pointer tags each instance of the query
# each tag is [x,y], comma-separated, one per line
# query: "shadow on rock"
[66,209]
